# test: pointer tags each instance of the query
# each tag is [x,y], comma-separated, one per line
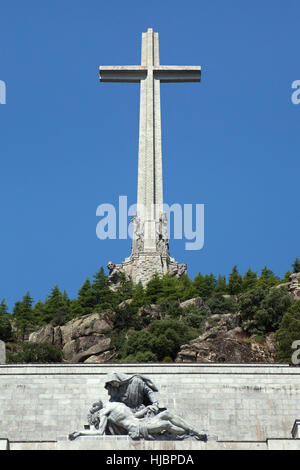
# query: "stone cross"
[150,74]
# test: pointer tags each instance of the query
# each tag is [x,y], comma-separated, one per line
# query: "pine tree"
[288,332]
[139,295]
[169,288]
[221,285]
[249,280]
[23,316]
[104,298]
[5,326]
[85,302]
[268,278]
[154,290]
[38,312]
[124,290]
[286,277]
[185,288]
[57,307]
[204,285]
[235,282]
[296,265]
[3,309]
[76,309]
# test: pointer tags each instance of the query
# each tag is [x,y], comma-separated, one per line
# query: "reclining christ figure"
[138,425]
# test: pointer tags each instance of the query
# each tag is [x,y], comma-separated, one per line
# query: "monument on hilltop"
[150,246]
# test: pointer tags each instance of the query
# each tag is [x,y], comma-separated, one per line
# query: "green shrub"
[220,304]
[170,308]
[5,329]
[162,338]
[288,332]
[36,353]
[141,357]
[262,309]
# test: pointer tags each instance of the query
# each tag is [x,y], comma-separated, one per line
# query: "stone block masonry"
[237,403]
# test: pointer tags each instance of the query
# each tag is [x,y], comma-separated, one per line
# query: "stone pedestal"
[125,443]
[144,265]
[122,443]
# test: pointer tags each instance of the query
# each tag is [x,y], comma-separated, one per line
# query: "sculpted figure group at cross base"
[138,235]
[133,410]
[162,236]
[115,271]
[169,265]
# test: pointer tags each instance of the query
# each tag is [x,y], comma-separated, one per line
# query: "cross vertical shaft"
[150,192]
[150,247]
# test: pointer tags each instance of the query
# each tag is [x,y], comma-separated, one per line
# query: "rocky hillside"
[86,339]
[224,337]
[223,340]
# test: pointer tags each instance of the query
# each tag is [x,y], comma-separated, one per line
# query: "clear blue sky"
[69,143]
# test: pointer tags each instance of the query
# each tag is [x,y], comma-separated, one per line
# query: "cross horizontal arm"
[127,74]
[176,74]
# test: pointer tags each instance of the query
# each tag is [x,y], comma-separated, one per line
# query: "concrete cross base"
[143,266]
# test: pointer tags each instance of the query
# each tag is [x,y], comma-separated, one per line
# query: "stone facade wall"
[235,402]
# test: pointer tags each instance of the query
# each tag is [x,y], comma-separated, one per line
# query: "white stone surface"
[125,444]
[283,444]
[2,352]
[150,179]
[3,444]
[237,403]
[150,73]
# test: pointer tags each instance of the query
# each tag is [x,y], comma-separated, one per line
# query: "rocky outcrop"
[150,313]
[294,286]
[80,339]
[223,340]
[196,302]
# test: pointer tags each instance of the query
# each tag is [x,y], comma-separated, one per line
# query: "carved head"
[97,406]
[111,265]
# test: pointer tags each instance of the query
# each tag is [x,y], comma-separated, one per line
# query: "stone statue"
[162,236]
[133,410]
[136,391]
[181,269]
[164,226]
[93,416]
[139,425]
[115,272]
[177,270]
[138,235]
